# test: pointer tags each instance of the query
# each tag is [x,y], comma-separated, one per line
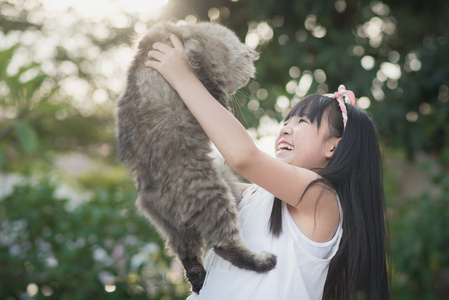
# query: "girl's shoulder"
[318,217]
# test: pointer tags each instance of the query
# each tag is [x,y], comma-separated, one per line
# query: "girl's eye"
[299,122]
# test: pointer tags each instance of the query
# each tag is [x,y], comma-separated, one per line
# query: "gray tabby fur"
[178,188]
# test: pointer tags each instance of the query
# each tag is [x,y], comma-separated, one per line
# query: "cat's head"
[217,56]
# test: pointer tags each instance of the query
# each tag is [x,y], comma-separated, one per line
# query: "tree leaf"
[5,57]
[26,136]
[2,158]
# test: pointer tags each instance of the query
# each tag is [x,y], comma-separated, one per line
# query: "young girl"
[318,205]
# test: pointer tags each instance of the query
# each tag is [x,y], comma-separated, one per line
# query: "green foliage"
[21,105]
[420,244]
[26,136]
[53,249]
[34,119]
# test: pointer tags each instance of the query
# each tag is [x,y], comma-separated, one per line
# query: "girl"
[318,205]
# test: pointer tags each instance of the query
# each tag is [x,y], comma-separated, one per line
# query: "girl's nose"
[285,130]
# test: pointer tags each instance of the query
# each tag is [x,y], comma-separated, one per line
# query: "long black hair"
[359,268]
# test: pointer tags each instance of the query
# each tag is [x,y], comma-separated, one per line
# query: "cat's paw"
[266,262]
[196,276]
[197,288]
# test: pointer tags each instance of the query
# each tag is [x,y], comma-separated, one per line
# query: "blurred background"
[68,225]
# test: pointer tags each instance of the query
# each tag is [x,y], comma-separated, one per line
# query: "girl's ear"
[331,145]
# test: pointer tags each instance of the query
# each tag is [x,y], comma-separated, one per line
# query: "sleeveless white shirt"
[298,274]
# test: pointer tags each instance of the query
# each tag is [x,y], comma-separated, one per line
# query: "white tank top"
[299,273]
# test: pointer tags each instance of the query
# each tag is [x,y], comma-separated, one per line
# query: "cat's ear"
[193,52]
[192,45]
[253,55]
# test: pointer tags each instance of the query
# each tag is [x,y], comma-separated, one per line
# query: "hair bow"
[343,96]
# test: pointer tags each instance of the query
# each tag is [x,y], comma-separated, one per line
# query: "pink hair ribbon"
[343,96]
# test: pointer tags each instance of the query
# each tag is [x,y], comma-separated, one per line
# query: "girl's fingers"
[157,55]
[177,44]
[166,59]
[152,64]
[164,48]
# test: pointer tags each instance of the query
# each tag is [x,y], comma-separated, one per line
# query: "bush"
[420,244]
[102,249]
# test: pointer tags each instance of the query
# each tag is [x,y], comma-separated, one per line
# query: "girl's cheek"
[276,142]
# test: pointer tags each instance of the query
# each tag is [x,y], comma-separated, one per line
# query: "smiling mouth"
[285,146]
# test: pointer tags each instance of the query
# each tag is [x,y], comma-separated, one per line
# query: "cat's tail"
[242,257]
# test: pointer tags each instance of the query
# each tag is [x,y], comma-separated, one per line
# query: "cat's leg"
[187,246]
[195,272]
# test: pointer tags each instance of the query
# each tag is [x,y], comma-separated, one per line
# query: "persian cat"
[181,192]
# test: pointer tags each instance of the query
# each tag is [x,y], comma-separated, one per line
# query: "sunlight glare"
[100,9]
[85,8]
[146,6]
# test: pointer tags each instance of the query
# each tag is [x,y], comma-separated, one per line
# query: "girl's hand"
[169,61]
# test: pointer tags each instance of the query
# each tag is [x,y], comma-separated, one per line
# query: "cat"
[179,189]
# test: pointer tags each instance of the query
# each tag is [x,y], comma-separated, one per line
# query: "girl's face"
[302,144]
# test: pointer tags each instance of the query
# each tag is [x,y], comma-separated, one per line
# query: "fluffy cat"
[178,188]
